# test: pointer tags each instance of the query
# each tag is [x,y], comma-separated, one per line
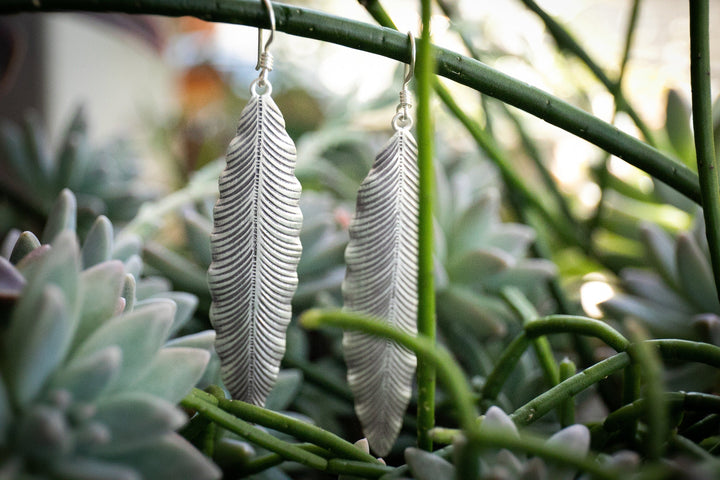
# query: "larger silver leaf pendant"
[255,251]
[381,281]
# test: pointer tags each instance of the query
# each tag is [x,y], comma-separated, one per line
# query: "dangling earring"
[381,280]
[255,242]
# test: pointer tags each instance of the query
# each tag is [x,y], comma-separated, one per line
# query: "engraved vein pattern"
[255,251]
[381,281]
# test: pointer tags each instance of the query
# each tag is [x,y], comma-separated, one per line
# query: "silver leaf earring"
[255,242]
[381,280]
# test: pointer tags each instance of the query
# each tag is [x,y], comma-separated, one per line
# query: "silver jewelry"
[255,242]
[381,280]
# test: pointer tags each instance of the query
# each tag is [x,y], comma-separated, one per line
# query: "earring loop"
[265,60]
[402,117]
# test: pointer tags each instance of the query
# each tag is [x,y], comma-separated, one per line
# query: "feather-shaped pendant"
[381,281]
[255,251]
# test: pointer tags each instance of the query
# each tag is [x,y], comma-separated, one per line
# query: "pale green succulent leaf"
[527,275]
[186,304]
[83,468]
[63,216]
[135,418]
[695,274]
[573,439]
[11,280]
[98,244]
[125,246]
[514,238]
[86,377]
[129,293]
[648,285]
[660,250]
[26,243]
[172,373]
[663,322]
[484,315]
[473,267]
[43,434]
[148,287]
[677,127]
[285,390]
[203,340]
[427,466]
[35,342]
[498,421]
[73,152]
[139,334]
[169,458]
[134,265]
[101,288]
[36,151]
[186,275]
[197,231]
[474,225]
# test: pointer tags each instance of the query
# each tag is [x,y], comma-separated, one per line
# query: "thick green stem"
[566,42]
[291,426]
[207,407]
[545,402]
[361,36]
[425,73]
[692,401]
[703,127]
[449,372]
[579,325]
[567,408]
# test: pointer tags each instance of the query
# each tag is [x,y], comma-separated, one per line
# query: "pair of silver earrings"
[256,249]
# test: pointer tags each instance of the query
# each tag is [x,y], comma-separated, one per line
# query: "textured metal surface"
[255,251]
[381,281]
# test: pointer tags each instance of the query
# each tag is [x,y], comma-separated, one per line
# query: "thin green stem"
[354,468]
[545,402]
[361,36]
[579,325]
[656,411]
[688,351]
[566,42]
[691,447]
[291,426]
[426,323]
[543,351]
[703,128]
[686,401]
[567,408]
[449,372]
[207,407]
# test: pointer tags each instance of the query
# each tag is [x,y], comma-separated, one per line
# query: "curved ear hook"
[410,68]
[264,50]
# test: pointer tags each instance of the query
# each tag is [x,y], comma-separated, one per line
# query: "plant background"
[337,104]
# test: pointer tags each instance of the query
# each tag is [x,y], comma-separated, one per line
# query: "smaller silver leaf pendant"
[381,281]
[255,248]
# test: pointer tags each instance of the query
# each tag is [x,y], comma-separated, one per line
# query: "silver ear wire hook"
[402,118]
[265,60]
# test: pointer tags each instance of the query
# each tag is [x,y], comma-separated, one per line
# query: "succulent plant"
[502,464]
[676,297]
[105,179]
[88,378]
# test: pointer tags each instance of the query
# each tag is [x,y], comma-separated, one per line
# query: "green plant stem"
[265,462]
[578,325]
[545,402]
[567,408]
[207,407]
[688,351]
[691,447]
[449,372]
[566,42]
[361,36]
[426,322]
[543,351]
[686,401]
[656,412]
[504,367]
[340,466]
[703,127]
[291,426]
